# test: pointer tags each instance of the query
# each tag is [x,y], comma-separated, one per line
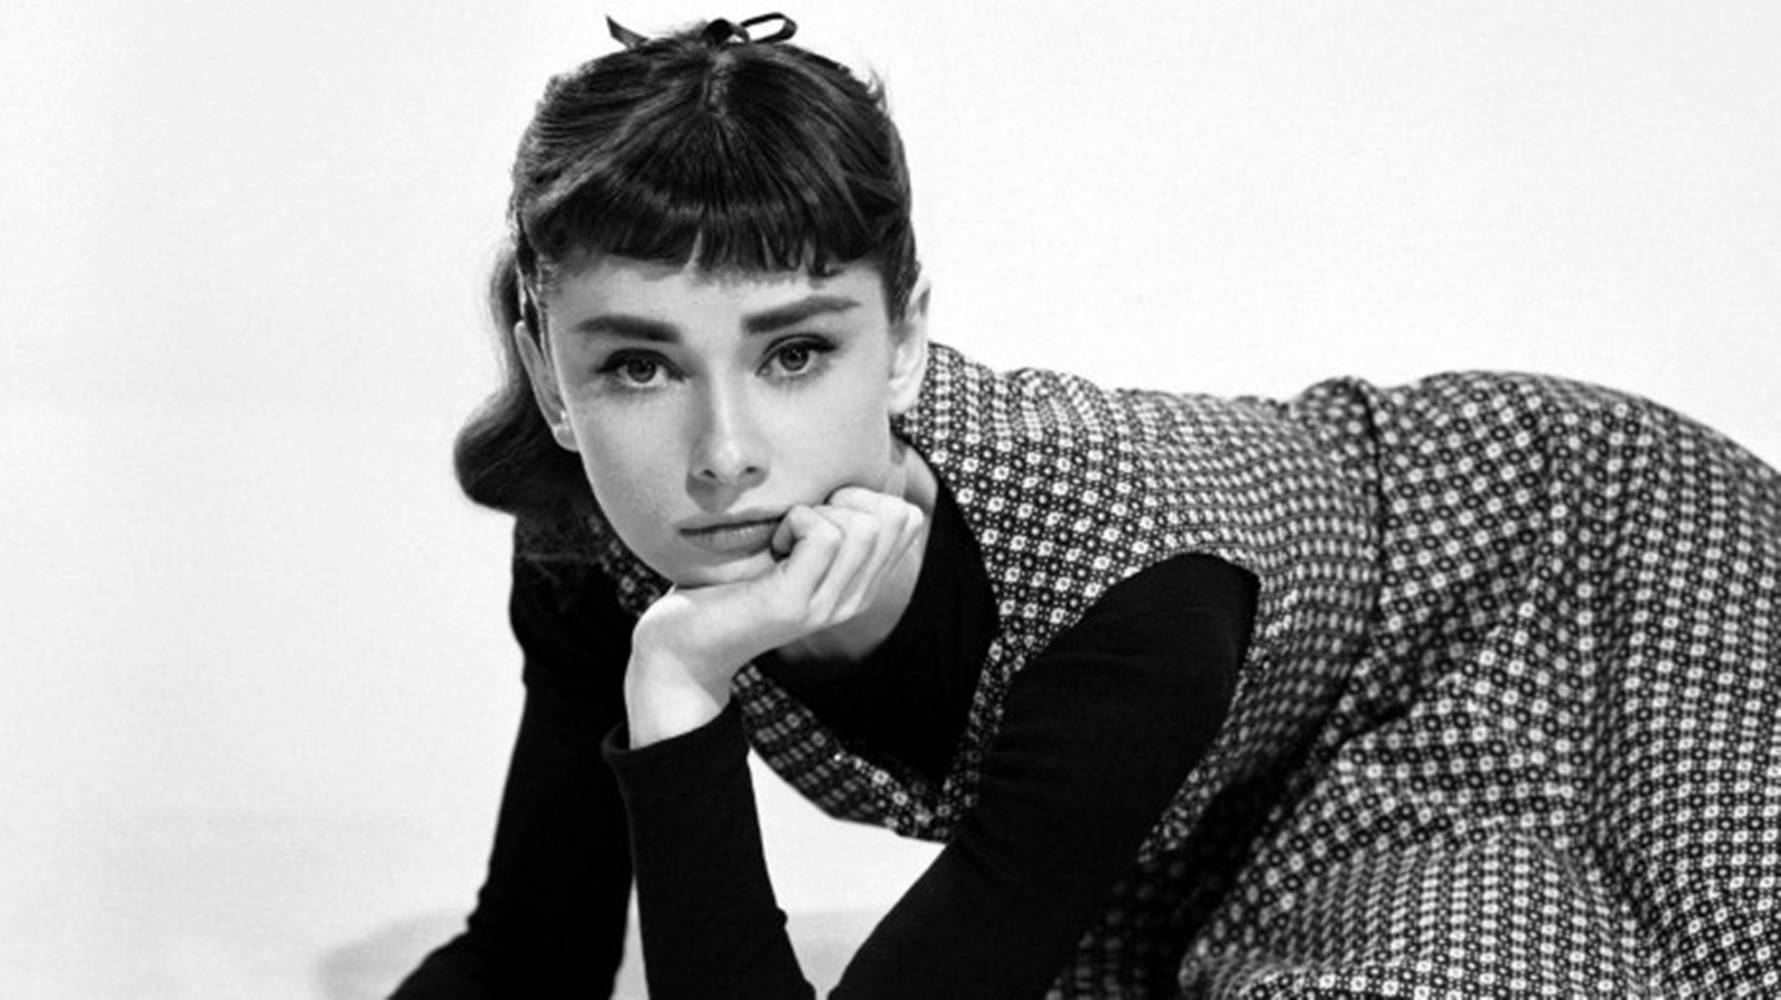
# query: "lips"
[735,536]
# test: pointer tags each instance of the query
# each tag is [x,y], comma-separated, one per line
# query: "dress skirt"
[1555,768]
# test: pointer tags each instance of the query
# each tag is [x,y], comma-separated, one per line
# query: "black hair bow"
[717,33]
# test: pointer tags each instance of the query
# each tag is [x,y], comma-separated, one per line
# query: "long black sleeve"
[1098,733]
[711,927]
[550,918]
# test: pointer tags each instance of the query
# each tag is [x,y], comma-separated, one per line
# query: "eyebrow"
[767,321]
[793,313]
[629,327]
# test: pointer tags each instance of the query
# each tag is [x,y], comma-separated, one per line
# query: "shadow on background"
[369,968]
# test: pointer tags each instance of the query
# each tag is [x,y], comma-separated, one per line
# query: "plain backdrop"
[259,691]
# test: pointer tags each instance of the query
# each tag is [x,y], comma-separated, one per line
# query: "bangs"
[743,185]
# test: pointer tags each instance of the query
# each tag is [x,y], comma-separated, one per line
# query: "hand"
[838,558]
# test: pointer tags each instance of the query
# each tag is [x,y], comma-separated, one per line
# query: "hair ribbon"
[717,33]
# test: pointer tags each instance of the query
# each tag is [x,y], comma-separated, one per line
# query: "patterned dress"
[1509,724]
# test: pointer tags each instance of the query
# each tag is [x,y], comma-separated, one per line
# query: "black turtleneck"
[1097,734]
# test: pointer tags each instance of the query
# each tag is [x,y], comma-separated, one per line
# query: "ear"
[909,352]
[545,389]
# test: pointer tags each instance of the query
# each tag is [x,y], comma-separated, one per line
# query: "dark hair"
[700,145]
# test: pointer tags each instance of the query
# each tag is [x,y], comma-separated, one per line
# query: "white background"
[258,687]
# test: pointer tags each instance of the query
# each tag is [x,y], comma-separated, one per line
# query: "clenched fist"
[834,561]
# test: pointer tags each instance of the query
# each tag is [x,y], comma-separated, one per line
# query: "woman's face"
[704,405]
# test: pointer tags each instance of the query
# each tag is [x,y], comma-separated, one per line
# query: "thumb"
[808,541]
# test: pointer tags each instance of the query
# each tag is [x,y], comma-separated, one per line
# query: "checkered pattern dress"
[1510,720]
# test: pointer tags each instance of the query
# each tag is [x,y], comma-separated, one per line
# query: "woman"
[1464,688]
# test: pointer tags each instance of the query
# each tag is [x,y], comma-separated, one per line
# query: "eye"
[795,358]
[798,358]
[639,369]
[635,370]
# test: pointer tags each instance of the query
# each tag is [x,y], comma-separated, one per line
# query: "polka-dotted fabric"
[1509,723]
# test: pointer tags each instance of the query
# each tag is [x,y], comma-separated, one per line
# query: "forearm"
[710,923]
[454,971]
[1096,737]
[551,912]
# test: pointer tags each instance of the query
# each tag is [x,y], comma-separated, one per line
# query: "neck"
[855,639]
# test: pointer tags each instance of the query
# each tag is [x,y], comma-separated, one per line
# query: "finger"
[914,531]
[809,541]
[891,514]
[895,554]
[784,535]
[851,570]
[902,521]
[892,511]
[862,498]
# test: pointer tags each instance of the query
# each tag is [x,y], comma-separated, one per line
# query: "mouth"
[741,535]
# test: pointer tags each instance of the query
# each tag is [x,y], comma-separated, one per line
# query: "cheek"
[849,434]
[624,463]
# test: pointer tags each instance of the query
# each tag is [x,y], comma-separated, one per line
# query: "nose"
[727,450]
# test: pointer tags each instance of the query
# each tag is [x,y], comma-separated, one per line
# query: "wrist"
[664,700]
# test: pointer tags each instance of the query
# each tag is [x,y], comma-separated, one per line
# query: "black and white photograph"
[917,501]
